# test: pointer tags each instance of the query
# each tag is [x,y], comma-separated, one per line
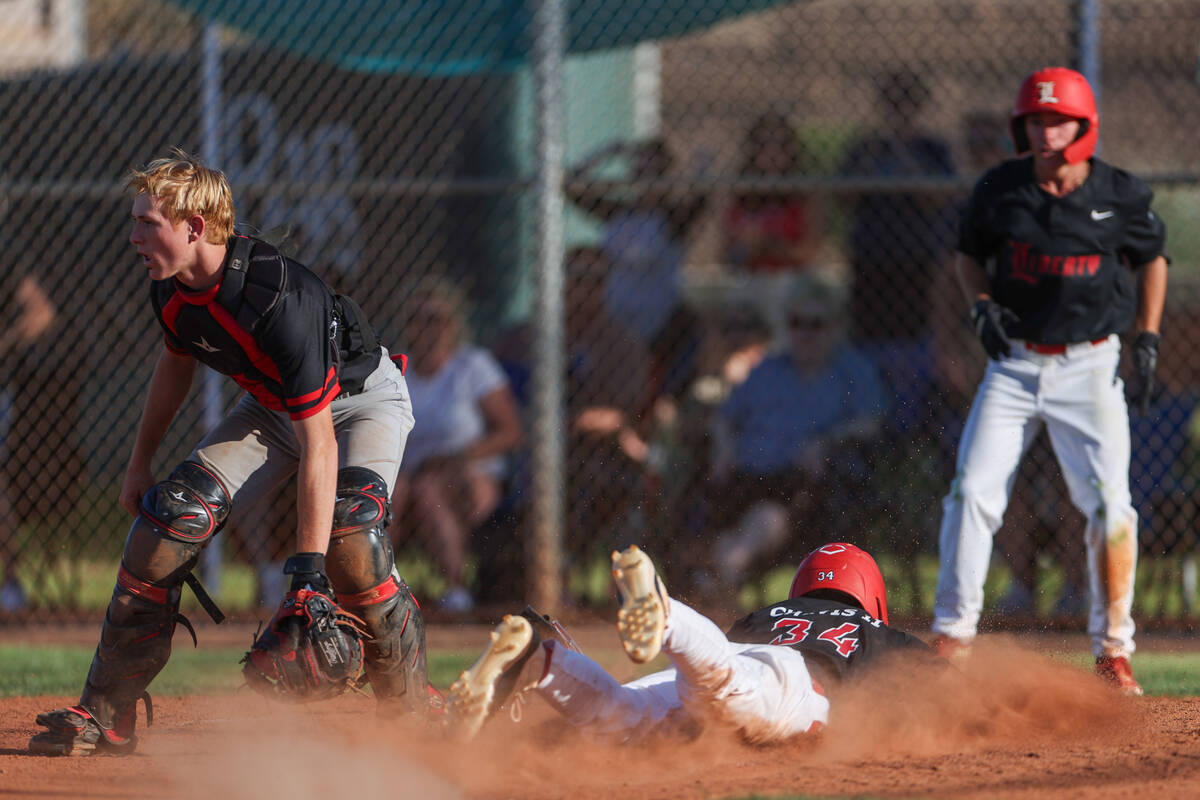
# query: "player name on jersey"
[1029,265]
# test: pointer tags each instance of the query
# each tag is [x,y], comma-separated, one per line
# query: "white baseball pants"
[764,692]
[1081,400]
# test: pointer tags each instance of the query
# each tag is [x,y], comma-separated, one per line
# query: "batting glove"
[1145,359]
[990,320]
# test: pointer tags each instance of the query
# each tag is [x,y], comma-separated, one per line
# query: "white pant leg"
[1088,422]
[587,696]
[1002,424]
[765,692]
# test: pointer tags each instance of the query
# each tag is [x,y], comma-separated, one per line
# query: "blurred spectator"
[786,438]
[684,511]
[608,372]
[900,238]
[770,234]
[644,238]
[26,314]
[451,477]
[607,377]
[987,143]
[771,231]
[260,534]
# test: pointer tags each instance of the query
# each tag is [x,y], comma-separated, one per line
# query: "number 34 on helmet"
[844,568]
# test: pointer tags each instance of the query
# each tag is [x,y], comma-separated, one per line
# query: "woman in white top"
[467,420]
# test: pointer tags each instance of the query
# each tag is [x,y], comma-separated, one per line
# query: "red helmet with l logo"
[1067,92]
[844,568]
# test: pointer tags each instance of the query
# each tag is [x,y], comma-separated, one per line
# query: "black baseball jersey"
[1062,264]
[837,640]
[274,327]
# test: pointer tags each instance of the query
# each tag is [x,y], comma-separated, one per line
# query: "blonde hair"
[186,188]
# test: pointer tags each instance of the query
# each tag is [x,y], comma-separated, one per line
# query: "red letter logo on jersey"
[796,630]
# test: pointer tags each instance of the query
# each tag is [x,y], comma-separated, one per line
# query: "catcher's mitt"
[311,650]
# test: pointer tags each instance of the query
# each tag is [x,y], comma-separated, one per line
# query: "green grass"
[1161,674]
[27,671]
[1158,593]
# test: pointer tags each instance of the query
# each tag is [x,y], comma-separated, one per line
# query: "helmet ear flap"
[1019,137]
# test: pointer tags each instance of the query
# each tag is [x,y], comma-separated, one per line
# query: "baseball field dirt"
[1016,725]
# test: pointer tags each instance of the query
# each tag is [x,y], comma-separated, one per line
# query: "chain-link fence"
[740,177]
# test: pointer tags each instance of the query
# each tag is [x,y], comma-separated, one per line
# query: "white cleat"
[480,690]
[644,604]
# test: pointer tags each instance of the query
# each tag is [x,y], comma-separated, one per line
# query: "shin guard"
[362,569]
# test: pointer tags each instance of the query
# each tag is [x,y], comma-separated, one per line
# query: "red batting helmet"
[847,569]
[1067,92]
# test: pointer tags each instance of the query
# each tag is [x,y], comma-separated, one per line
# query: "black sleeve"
[295,336]
[1145,232]
[972,236]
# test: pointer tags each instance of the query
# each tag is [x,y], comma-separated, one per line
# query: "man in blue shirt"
[783,436]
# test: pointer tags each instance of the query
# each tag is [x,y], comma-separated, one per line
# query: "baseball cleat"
[73,732]
[956,651]
[492,679]
[1116,671]
[642,618]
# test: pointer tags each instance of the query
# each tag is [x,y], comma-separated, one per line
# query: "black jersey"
[274,327]
[1062,264]
[837,640]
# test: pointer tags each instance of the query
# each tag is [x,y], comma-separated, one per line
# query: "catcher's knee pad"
[176,520]
[362,570]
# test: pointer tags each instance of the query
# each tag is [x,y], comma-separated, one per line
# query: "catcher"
[765,678]
[322,400]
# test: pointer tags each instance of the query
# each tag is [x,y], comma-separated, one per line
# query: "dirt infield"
[1016,726]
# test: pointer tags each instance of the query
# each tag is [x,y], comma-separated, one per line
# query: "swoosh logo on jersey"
[1100,215]
[208,348]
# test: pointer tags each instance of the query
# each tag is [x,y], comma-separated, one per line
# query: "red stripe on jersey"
[308,398]
[170,313]
[171,310]
[259,393]
[331,393]
[257,357]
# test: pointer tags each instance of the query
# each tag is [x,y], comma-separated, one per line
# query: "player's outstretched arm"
[1152,295]
[972,279]
[169,387]
[316,489]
